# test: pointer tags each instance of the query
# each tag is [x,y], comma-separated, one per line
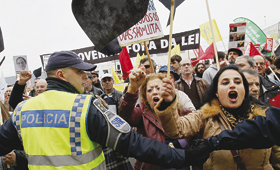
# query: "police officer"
[64,129]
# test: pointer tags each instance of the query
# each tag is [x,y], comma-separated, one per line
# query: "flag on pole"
[167,4]
[125,62]
[205,30]
[115,76]
[103,21]
[176,50]
[198,53]
[251,50]
[209,54]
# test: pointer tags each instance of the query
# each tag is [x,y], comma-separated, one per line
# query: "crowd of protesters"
[195,102]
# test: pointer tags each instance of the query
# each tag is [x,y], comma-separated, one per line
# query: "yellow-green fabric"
[52,127]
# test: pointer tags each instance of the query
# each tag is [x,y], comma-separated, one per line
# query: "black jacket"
[128,144]
[271,90]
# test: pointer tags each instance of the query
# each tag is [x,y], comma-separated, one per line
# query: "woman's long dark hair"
[212,90]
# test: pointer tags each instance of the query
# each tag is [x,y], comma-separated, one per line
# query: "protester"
[95,80]
[17,94]
[228,103]
[232,54]
[144,62]
[33,91]
[245,62]
[269,91]
[182,97]
[89,88]
[41,86]
[111,95]
[175,63]
[88,124]
[261,66]
[199,69]
[142,116]
[211,71]
[253,79]
[193,86]
[7,98]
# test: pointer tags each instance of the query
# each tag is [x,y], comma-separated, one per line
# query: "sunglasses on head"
[147,66]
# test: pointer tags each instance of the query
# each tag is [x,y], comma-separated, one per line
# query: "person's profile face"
[21,62]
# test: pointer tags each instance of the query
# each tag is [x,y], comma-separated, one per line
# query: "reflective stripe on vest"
[66,120]
[64,160]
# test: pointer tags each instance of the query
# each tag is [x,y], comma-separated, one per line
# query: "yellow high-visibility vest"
[52,127]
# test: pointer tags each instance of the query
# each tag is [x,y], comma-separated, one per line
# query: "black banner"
[188,40]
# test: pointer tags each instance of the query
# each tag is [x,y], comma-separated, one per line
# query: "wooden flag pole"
[148,54]
[213,36]
[274,73]
[170,37]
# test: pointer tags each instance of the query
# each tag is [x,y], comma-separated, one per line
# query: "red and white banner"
[258,47]
[198,53]
[251,50]
[269,44]
[146,29]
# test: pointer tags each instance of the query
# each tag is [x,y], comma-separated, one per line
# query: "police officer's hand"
[136,78]
[24,76]
[9,158]
[198,151]
[167,91]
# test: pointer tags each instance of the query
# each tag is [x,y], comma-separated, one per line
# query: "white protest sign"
[20,63]
[146,29]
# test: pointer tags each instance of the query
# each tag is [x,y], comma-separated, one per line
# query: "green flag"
[254,32]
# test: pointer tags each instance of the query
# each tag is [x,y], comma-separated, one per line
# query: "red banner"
[269,44]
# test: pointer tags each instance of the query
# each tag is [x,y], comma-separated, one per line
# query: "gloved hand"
[198,151]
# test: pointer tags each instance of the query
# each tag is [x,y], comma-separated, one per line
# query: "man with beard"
[233,53]
[199,69]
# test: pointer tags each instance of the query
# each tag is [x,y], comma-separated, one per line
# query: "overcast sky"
[33,27]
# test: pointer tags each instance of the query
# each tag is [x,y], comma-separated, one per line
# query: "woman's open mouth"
[156,100]
[232,96]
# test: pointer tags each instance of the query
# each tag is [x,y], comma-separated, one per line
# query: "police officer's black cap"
[64,59]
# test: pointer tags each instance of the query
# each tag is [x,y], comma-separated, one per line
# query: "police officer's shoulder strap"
[16,118]
[116,127]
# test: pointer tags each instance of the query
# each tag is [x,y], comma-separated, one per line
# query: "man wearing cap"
[182,97]
[111,95]
[233,53]
[89,88]
[63,128]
